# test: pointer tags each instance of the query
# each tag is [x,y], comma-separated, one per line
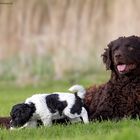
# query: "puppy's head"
[21,114]
[123,55]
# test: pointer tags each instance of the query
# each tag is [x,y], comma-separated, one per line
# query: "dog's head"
[21,114]
[123,55]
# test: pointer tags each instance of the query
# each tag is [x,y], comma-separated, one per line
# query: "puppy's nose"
[118,54]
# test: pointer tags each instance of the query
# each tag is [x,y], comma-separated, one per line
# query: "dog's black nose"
[118,54]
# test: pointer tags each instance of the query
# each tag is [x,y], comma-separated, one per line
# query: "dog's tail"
[79,90]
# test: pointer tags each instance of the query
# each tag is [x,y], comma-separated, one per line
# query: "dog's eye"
[130,48]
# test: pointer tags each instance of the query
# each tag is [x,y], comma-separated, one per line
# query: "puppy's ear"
[27,111]
[107,57]
[32,107]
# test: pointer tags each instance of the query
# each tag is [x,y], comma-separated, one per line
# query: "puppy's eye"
[130,48]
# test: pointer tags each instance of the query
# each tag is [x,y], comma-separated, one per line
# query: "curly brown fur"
[5,122]
[120,96]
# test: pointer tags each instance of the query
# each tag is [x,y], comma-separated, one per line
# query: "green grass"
[123,130]
[107,130]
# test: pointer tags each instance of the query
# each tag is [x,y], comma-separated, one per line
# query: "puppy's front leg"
[47,121]
[32,124]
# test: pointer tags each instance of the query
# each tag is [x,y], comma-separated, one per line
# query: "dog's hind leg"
[84,115]
[74,117]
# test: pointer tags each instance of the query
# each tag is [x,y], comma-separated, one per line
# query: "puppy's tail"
[79,90]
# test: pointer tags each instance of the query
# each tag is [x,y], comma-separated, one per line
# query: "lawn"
[107,130]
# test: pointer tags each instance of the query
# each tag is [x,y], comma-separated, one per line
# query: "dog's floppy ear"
[32,107]
[107,58]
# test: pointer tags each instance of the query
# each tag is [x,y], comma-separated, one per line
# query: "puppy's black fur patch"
[77,107]
[21,114]
[54,104]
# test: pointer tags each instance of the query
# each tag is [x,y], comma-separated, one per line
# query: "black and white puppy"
[49,107]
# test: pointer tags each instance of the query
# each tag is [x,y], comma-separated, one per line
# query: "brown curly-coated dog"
[120,96]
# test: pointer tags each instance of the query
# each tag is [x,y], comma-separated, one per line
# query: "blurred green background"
[43,40]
